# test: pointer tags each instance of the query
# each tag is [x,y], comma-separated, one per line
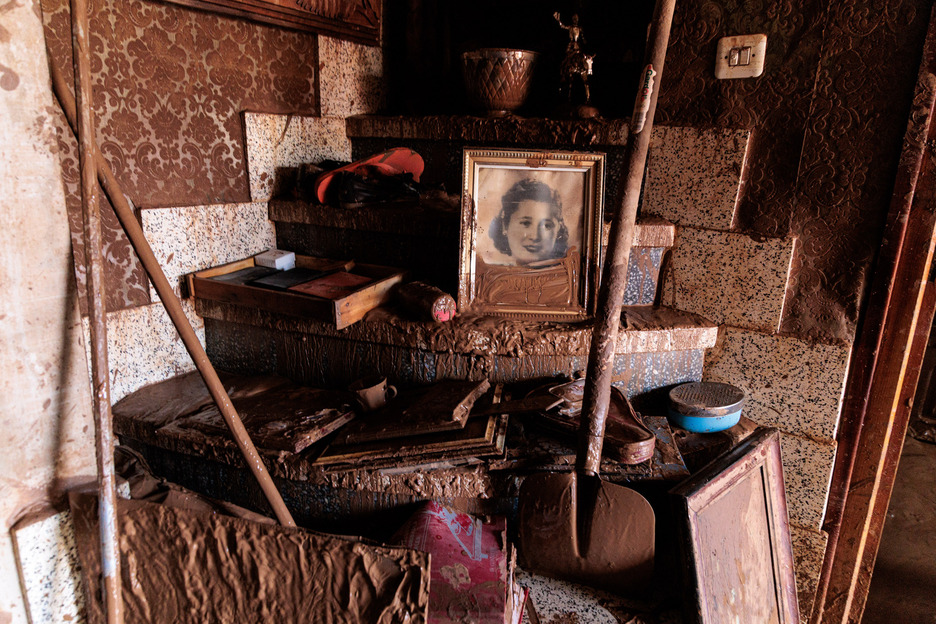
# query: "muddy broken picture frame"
[735,537]
[530,233]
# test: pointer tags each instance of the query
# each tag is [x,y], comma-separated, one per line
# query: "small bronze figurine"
[575,32]
[576,64]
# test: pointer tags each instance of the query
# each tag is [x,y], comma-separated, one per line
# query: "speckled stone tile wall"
[287,141]
[694,175]
[561,601]
[50,573]
[192,238]
[350,78]
[802,399]
[807,470]
[729,278]
[808,551]
[144,347]
[639,373]
[643,273]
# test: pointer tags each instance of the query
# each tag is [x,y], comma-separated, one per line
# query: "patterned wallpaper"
[169,87]
[827,118]
[859,115]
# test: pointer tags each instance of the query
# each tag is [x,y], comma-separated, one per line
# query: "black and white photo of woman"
[529,218]
[530,227]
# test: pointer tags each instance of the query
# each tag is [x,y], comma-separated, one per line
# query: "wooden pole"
[614,279]
[173,307]
[97,316]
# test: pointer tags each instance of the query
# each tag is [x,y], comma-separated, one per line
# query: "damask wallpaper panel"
[169,87]
[826,118]
[851,149]
[775,106]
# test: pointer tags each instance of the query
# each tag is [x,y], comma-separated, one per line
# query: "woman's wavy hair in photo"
[534,190]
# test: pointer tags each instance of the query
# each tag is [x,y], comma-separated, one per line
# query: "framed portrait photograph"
[530,233]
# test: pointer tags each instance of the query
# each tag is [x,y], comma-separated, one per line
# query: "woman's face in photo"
[531,232]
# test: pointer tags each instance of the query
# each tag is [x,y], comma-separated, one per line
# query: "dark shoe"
[626,435]
[355,190]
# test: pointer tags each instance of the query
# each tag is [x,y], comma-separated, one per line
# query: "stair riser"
[333,362]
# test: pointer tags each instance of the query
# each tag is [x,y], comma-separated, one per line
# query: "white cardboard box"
[276,259]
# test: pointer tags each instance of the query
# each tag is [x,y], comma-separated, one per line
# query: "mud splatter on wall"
[169,88]
[827,115]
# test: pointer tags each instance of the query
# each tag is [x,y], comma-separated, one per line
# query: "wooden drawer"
[341,312]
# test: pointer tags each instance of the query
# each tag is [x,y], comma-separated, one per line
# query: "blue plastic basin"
[705,424]
[705,406]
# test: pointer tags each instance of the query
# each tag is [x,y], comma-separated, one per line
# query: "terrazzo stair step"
[441,140]
[657,347]
[424,239]
[420,238]
[653,237]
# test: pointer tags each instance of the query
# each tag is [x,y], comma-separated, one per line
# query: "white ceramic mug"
[372,392]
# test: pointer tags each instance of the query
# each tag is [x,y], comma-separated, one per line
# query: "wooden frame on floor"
[735,537]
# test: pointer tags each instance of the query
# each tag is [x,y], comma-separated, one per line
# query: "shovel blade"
[590,532]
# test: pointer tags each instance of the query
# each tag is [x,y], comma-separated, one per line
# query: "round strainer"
[706,399]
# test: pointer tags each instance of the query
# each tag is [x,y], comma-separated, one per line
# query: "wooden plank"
[285,418]
[888,471]
[444,406]
[342,312]
[476,437]
[429,458]
[882,372]
[352,309]
[222,269]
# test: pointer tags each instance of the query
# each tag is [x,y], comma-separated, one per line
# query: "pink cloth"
[469,565]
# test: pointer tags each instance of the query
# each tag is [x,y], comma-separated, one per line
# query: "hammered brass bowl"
[498,79]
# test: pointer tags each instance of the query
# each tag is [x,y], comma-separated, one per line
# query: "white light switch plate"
[730,48]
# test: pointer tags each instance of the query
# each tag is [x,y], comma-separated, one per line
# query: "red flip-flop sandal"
[393,161]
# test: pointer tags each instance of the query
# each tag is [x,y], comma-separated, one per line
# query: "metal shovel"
[576,526]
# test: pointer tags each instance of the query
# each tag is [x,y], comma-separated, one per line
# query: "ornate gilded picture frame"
[530,233]
[354,20]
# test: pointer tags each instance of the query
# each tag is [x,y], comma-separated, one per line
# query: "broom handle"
[134,232]
[614,278]
[97,318]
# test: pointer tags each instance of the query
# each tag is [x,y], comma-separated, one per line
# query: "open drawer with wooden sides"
[348,290]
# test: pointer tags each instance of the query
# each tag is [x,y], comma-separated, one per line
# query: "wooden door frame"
[886,363]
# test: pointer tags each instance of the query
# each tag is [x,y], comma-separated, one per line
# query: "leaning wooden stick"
[174,308]
[614,279]
[97,317]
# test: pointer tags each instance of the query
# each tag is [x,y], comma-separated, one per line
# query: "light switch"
[741,56]
[734,57]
